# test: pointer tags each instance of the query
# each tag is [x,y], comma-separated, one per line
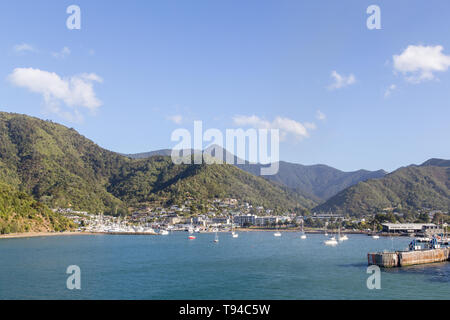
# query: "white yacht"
[374,235]
[216,238]
[303,234]
[331,242]
[233,233]
[341,237]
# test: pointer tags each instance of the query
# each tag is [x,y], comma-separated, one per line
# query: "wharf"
[408,258]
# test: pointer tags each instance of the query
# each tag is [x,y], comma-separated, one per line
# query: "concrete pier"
[408,258]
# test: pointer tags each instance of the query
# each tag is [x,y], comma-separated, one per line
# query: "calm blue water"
[254,266]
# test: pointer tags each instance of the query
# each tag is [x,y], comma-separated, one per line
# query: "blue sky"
[146,68]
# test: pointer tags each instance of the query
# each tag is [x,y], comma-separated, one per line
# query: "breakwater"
[408,258]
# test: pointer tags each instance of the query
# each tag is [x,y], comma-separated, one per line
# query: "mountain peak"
[435,162]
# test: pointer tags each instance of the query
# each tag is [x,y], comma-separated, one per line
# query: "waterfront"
[254,266]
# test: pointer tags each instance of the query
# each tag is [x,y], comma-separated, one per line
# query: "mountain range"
[61,168]
[55,166]
[316,182]
[413,187]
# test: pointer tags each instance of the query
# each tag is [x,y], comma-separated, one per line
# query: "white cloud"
[341,81]
[24,47]
[177,119]
[74,92]
[320,115]
[419,63]
[62,54]
[285,125]
[389,90]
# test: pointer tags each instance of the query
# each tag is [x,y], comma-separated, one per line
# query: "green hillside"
[413,187]
[61,168]
[58,166]
[316,182]
[19,212]
[158,178]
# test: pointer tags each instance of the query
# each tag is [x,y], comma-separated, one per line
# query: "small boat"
[233,233]
[277,234]
[191,233]
[341,237]
[216,238]
[303,235]
[374,234]
[331,242]
[164,232]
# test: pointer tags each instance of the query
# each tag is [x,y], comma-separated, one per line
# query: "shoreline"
[42,234]
[81,233]
[297,230]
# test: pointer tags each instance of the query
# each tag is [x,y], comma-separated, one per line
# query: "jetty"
[408,258]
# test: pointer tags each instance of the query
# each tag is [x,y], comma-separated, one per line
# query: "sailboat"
[163,232]
[374,235]
[277,234]
[216,238]
[303,235]
[331,241]
[191,233]
[341,237]
[233,233]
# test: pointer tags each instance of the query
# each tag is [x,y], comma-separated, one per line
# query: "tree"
[437,219]
[423,218]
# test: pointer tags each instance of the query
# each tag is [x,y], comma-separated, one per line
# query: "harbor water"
[256,265]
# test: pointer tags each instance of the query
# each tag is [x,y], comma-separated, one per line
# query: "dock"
[408,258]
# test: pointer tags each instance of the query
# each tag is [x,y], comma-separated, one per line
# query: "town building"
[409,227]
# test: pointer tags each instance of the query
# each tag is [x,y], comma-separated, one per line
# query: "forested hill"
[55,164]
[413,187]
[315,182]
[19,213]
[61,168]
